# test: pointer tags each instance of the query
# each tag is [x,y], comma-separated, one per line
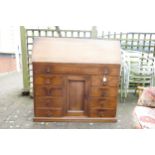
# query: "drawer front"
[48,112]
[49,102]
[104,81]
[42,68]
[65,68]
[102,113]
[41,90]
[110,70]
[102,102]
[104,91]
[49,79]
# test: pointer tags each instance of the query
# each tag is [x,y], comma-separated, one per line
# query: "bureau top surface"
[66,50]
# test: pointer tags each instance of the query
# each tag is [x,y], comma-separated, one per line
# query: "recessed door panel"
[77,95]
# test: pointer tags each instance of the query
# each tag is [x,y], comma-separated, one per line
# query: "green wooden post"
[94,32]
[24,61]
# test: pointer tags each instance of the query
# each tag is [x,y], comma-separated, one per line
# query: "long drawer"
[90,69]
[49,79]
[103,91]
[102,102]
[42,90]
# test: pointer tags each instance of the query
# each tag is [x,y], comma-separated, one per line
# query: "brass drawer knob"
[105,80]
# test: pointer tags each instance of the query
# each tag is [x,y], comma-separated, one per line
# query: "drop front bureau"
[75,79]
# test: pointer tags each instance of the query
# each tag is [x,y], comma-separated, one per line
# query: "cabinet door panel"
[77,92]
[76,95]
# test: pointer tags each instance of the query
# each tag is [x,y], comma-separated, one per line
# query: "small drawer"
[48,112]
[104,91]
[110,70]
[42,68]
[102,102]
[49,102]
[102,113]
[41,90]
[49,79]
[104,81]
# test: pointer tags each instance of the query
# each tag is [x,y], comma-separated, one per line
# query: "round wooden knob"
[48,70]
[101,113]
[47,102]
[105,71]
[49,113]
[104,94]
[47,81]
[102,104]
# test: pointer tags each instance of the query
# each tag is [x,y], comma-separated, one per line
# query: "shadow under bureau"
[71,89]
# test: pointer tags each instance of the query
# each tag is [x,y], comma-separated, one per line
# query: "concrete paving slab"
[16,111]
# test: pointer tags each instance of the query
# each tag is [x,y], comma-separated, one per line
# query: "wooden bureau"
[74,89]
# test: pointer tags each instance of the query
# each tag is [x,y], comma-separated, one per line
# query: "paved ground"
[16,111]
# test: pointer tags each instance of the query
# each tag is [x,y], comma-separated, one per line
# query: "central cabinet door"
[77,95]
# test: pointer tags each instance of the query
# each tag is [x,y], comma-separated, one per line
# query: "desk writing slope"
[75,79]
[76,51]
